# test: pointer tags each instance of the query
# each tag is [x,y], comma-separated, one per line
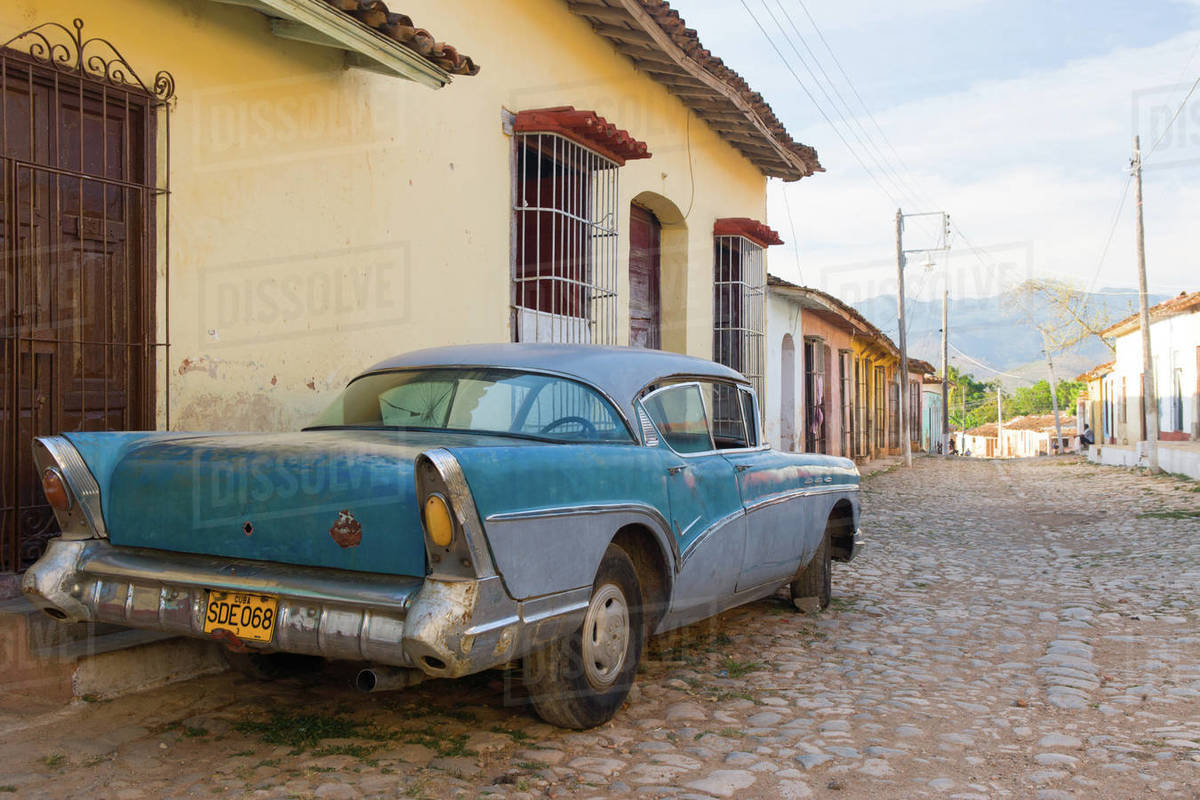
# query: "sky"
[1016,118]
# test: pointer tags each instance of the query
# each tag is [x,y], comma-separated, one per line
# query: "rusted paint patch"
[201,364]
[231,642]
[347,531]
[311,384]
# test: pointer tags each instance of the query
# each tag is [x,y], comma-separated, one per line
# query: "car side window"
[724,404]
[748,413]
[679,414]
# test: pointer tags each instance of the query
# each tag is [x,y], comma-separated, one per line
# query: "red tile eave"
[585,128]
[860,327]
[1179,304]
[400,29]
[1096,372]
[752,229]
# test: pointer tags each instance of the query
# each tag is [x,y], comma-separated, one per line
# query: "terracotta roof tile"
[400,28]
[738,114]
[752,229]
[1179,304]
[583,127]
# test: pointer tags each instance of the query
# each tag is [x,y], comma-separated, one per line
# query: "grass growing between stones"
[738,669]
[303,731]
[1171,514]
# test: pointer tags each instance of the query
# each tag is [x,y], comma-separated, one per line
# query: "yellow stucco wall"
[322,218]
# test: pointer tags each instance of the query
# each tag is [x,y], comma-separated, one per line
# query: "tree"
[1035,399]
[1064,313]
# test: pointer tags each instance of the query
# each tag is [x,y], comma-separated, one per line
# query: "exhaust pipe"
[387,679]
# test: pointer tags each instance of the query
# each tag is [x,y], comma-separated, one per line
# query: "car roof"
[619,372]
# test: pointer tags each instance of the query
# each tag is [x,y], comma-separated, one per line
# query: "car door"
[706,511]
[769,481]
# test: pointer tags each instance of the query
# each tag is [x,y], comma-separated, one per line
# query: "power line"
[1111,232]
[985,366]
[854,152]
[849,124]
[854,89]
[1171,122]
[787,64]
[795,239]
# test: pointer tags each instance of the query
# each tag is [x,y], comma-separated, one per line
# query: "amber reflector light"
[55,489]
[438,523]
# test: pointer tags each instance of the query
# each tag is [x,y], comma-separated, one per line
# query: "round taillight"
[438,523]
[55,488]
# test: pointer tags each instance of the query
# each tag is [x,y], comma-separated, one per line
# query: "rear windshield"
[480,400]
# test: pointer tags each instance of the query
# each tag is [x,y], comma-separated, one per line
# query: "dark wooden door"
[645,297]
[76,236]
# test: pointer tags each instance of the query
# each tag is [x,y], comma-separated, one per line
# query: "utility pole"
[1054,390]
[1151,401]
[946,369]
[905,439]
[999,424]
[946,341]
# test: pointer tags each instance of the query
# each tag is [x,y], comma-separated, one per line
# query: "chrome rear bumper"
[444,628]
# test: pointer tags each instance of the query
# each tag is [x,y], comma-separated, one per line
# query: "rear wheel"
[813,584]
[581,680]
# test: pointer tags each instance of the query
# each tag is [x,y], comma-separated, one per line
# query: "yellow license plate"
[246,616]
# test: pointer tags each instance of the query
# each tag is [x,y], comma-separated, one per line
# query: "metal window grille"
[862,442]
[84,208]
[815,396]
[914,411]
[880,420]
[846,385]
[564,286]
[894,415]
[738,290]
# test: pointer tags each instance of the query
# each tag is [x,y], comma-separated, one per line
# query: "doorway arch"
[787,398]
[672,269]
[645,273]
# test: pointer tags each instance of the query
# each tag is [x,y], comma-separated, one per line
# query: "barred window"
[565,249]
[846,387]
[880,421]
[738,288]
[862,395]
[815,396]
[894,414]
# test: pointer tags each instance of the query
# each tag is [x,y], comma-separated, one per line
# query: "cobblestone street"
[1015,629]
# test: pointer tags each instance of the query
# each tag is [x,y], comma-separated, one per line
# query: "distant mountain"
[996,331]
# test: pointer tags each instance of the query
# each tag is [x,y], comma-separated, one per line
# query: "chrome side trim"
[570,511]
[710,530]
[792,494]
[655,516]
[84,520]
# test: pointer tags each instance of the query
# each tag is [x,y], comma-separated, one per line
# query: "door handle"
[676,470]
[741,467]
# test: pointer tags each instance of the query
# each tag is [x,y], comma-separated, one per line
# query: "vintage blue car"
[455,510]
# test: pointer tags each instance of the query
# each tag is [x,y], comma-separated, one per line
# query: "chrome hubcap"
[605,635]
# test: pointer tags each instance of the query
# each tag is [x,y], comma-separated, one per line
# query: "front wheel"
[813,584]
[581,680]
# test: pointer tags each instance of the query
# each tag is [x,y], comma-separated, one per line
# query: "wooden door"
[76,236]
[645,298]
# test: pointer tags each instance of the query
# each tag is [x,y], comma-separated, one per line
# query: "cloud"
[1035,161]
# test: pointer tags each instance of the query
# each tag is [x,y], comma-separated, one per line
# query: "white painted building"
[1117,413]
